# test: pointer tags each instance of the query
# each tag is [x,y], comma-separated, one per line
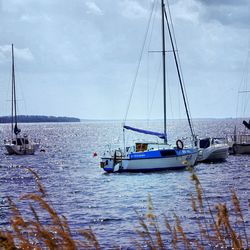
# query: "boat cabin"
[20,141]
[209,141]
[204,143]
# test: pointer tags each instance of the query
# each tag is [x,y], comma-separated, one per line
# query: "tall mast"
[12,88]
[13,101]
[164,70]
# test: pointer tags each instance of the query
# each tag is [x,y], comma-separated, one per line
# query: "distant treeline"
[38,118]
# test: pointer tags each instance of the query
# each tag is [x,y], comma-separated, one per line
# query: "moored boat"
[18,144]
[212,149]
[239,143]
[148,156]
[21,145]
[144,157]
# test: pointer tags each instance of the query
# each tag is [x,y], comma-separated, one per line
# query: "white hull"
[25,149]
[213,153]
[20,150]
[145,165]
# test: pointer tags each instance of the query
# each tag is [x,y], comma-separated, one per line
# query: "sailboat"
[18,144]
[239,141]
[148,156]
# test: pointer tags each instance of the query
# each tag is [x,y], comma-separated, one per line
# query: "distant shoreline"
[38,118]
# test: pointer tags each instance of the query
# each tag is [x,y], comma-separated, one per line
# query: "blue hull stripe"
[159,157]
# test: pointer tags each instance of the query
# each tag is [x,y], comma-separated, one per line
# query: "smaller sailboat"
[18,144]
[239,141]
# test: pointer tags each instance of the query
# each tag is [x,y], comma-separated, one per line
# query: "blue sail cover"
[160,135]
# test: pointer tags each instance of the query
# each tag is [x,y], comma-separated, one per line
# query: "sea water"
[80,190]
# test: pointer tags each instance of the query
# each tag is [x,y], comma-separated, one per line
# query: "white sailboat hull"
[110,164]
[20,150]
[157,164]
[24,149]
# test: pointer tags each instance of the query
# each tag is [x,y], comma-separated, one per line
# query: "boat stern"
[108,165]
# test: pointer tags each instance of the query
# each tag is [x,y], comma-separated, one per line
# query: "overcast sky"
[79,57]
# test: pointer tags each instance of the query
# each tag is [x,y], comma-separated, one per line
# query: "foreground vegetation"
[217,228]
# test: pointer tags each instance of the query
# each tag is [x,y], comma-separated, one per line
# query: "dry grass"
[215,226]
[33,234]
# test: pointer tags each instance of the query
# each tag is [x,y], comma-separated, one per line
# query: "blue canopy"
[160,135]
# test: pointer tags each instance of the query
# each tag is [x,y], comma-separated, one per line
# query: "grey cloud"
[226,12]
[63,34]
[222,2]
[89,52]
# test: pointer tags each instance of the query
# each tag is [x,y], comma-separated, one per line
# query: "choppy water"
[82,192]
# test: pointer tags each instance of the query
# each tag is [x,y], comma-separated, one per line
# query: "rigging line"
[240,103]
[154,17]
[169,94]
[168,89]
[178,58]
[155,88]
[179,75]
[246,78]
[148,61]
[139,63]
[242,82]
